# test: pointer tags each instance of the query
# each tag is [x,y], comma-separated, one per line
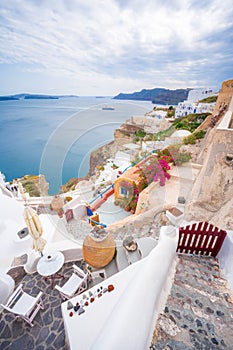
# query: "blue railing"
[97,223]
[112,185]
[101,194]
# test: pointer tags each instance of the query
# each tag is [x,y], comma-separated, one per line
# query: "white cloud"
[118,44]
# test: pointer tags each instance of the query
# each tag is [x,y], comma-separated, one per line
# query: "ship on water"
[108,108]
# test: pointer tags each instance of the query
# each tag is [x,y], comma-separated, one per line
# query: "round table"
[49,265]
[98,253]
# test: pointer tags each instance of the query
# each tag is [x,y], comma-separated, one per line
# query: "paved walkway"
[79,229]
[199,311]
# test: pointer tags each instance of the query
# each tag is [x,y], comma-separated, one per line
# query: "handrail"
[97,223]
[112,185]
[101,194]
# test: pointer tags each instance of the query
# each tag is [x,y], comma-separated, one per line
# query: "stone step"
[199,260]
[199,310]
[201,281]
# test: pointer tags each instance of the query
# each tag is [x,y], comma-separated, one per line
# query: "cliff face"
[212,194]
[100,156]
[225,96]
[126,133]
[36,186]
[157,95]
[222,105]
[123,135]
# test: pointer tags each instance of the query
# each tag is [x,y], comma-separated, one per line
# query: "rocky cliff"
[36,186]
[212,194]
[222,105]
[100,156]
[123,135]
[158,95]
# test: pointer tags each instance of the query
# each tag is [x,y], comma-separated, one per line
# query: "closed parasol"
[35,228]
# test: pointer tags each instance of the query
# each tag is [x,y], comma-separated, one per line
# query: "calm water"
[55,137]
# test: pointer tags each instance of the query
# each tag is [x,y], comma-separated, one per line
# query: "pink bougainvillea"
[151,169]
[156,169]
[162,171]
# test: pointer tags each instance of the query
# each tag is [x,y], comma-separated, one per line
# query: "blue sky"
[103,47]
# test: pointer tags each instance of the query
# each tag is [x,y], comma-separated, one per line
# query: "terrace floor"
[48,330]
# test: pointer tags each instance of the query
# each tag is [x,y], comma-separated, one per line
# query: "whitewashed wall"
[225,257]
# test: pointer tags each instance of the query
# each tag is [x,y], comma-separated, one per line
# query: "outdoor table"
[49,265]
[98,253]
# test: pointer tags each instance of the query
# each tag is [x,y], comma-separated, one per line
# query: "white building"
[199,94]
[192,105]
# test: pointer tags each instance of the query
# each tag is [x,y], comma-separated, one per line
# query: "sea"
[55,137]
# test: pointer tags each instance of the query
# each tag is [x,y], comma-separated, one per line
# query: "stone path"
[199,310]
[148,229]
[48,330]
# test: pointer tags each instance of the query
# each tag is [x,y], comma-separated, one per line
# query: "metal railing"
[101,194]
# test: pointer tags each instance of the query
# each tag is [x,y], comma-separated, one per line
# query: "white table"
[49,265]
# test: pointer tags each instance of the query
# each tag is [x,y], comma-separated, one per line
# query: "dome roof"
[181,133]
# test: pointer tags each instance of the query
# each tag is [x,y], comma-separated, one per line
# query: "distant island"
[33,97]
[8,98]
[40,97]
[158,95]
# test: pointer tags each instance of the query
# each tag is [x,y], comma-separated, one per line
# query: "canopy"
[35,228]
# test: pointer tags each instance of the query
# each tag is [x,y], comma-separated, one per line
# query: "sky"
[104,47]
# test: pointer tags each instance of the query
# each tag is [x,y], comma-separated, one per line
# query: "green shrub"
[190,122]
[34,192]
[173,153]
[114,166]
[170,113]
[126,133]
[200,134]
[209,99]
[182,157]
[140,133]
[191,139]
[100,167]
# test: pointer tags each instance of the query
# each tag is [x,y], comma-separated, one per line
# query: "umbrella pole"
[41,254]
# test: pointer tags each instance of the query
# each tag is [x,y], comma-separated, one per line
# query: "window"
[124,192]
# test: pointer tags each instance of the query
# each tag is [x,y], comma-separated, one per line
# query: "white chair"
[7,285]
[75,285]
[24,305]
